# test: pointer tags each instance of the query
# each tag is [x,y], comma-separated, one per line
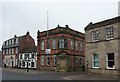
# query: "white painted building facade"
[27,57]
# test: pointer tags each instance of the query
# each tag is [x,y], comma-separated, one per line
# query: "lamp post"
[27,64]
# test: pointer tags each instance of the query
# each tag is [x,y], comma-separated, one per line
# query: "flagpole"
[47,23]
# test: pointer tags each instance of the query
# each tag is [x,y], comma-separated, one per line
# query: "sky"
[19,16]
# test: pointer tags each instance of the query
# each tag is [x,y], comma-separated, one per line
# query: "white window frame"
[81,45]
[61,43]
[109,60]
[95,36]
[93,66]
[72,44]
[16,40]
[20,56]
[7,43]
[12,50]
[53,43]
[42,45]
[7,51]
[12,41]
[42,60]
[109,32]
[76,45]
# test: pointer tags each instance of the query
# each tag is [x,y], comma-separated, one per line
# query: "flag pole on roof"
[47,23]
[48,50]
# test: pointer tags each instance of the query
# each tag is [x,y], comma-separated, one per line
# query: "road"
[9,75]
[21,74]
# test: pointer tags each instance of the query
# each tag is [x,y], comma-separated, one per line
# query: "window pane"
[55,60]
[12,50]
[81,46]
[94,35]
[32,64]
[109,32]
[110,60]
[54,44]
[111,64]
[95,57]
[96,64]
[48,60]
[76,45]
[95,60]
[48,44]
[23,64]
[42,60]
[72,45]
[32,56]
[42,45]
[111,56]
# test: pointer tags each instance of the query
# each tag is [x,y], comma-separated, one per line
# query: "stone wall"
[102,47]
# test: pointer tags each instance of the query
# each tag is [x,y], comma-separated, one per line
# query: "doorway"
[62,62]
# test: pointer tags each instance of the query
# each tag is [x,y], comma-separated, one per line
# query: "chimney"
[15,36]
[27,33]
[67,26]
[38,34]
[58,25]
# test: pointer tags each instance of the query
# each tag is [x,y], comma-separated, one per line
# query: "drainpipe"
[74,51]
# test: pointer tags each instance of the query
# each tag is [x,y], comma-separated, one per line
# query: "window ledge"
[95,67]
[110,68]
[109,38]
[95,41]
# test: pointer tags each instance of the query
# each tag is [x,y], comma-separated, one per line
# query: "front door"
[62,64]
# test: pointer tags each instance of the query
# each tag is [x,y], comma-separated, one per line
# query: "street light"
[27,64]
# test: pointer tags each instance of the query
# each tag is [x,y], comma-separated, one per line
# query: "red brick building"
[56,49]
[12,47]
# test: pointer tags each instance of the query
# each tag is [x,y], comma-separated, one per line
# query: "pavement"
[90,77]
[68,75]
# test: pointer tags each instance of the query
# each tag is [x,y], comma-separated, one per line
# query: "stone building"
[56,49]
[12,47]
[102,47]
[0,58]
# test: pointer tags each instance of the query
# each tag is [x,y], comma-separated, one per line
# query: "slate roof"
[29,49]
[102,23]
